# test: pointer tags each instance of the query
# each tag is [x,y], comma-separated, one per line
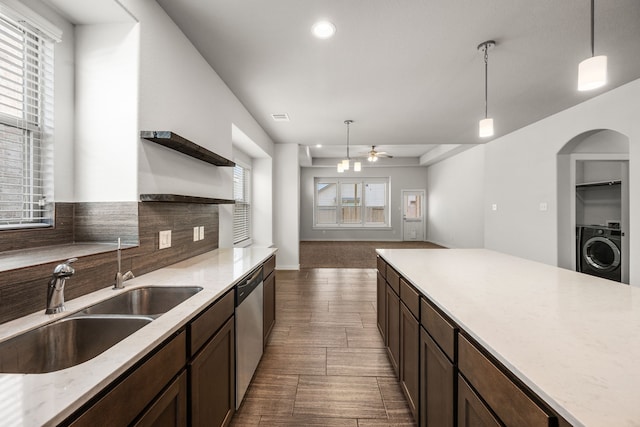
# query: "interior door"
[413,215]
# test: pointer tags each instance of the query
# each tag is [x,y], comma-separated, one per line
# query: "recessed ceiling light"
[318,145]
[323,29]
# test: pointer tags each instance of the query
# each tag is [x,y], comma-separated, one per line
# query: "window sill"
[22,258]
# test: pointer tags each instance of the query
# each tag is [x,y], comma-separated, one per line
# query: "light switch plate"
[196,234]
[543,206]
[201,232]
[494,207]
[164,239]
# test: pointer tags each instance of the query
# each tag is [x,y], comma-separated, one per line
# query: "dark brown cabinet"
[409,357]
[212,373]
[472,412]
[212,364]
[507,400]
[140,388]
[170,408]
[269,284]
[392,340]
[437,379]
[381,292]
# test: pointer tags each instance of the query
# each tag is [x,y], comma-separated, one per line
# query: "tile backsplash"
[23,291]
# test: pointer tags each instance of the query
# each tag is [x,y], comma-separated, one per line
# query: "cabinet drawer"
[269,266]
[506,399]
[382,266]
[205,325]
[410,297]
[442,331]
[393,278]
[137,389]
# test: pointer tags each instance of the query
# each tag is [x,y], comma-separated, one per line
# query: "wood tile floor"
[325,363]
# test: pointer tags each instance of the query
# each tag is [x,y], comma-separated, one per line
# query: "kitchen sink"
[149,301]
[65,343]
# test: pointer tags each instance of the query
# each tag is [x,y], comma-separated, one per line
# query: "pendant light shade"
[592,72]
[485,127]
[344,165]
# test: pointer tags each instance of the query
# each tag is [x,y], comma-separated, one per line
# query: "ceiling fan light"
[340,168]
[592,73]
[486,128]
[345,164]
[371,158]
[357,167]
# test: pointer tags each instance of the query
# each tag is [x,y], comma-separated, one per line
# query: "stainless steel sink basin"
[149,301]
[65,343]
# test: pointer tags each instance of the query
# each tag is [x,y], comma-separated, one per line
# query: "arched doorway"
[593,201]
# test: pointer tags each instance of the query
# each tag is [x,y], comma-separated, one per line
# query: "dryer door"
[601,254]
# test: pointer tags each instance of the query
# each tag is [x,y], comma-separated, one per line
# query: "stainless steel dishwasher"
[249,330]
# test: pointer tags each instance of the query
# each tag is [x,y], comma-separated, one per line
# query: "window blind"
[26,124]
[242,207]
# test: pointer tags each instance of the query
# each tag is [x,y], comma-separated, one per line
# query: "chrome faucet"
[55,290]
[121,278]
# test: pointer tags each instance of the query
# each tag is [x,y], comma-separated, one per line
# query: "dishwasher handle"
[247,285]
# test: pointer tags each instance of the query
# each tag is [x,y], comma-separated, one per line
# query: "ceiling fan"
[373,155]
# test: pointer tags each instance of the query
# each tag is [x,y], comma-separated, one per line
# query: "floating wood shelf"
[178,198]
[598,184]
[176,142]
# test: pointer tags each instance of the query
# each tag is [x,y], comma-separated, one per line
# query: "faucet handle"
[65,268]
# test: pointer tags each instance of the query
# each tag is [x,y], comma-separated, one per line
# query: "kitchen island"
[49,398]
[572,339]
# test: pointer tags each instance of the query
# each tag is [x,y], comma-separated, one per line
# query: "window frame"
[28,134]
[340,221]
[245,203]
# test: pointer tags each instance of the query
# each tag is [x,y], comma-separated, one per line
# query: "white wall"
[456,200]
[521,172]
[401,178]
[180,92]
[286,206]
[106,155]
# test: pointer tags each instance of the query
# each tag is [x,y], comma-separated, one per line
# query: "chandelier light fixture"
[344,165]
[592,72]
[486,124]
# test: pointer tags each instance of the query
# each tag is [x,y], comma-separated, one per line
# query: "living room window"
[26,123]
[351,202]
[242,207]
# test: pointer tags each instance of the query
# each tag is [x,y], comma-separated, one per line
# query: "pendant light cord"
[592,26]
[486,80]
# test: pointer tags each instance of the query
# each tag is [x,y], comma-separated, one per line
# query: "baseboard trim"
[288,267]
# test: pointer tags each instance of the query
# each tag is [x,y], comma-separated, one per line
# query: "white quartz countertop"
[573,339]
[47,399]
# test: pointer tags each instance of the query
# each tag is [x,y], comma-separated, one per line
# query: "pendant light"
[592,72]
[344,164]
[486,124]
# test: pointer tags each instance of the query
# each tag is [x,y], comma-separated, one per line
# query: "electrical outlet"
[202,232]
[164,239]
[543,206]
[196,234]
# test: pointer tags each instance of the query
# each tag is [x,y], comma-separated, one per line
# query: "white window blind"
[242,207]
[26,124]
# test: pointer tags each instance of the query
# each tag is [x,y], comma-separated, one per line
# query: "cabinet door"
[472,412]
[392,341]
[212,374]
[269,305]
[170,408]
[381,293]
[409,357]
[437,385]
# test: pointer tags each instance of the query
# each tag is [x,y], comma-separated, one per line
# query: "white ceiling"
[406,71]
